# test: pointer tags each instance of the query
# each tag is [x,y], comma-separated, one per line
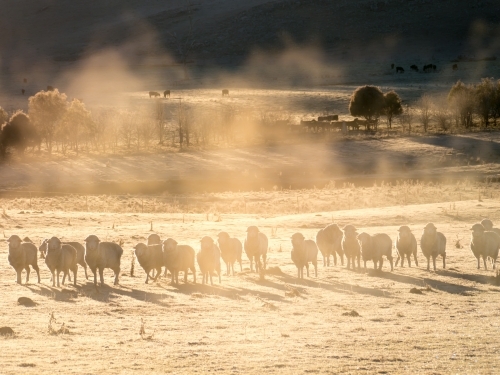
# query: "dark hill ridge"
[228,30]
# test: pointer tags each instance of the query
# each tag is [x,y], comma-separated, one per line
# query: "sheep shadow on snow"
[59,295]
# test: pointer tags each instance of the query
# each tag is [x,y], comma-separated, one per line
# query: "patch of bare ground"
[344,321]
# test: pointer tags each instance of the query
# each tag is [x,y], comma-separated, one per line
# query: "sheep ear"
[175,242]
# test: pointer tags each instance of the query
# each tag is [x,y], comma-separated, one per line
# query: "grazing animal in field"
[374,247]
[150,257]
[455,67]
[80,254]
[154,239]
[256,245]
[154,94]
[400,69]
[166,93]
[23,91]
[100,255]
[178,258]
[433,244]
[406,245]
[230,251]
[329,241]
[488,225]
[429,68]
[209,259]
[60,258]
[328,118]
[22,256]
[414,68]
[225,92]
[484,244]
[304,252]
[350,246]
[50,88]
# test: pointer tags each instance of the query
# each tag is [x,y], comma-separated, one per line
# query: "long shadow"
[436,284]
[59,295]
[481,279]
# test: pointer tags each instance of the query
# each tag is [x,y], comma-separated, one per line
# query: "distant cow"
[328,118]
[23,91]
[166,93]
[50,88]
[429,68]
[154,94]
[399,69]
[225,92]
[455,67]
[414,67]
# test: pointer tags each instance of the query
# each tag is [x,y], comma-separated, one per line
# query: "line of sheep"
[63,257]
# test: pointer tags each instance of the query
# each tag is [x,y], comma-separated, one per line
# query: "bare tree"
[424,111]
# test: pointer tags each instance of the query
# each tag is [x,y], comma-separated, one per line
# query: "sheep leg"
[348,262]
[57,275]
[75,270]
[194,274]
[241,266]
[380,263]
[415,258]
[324,261]
[185,276]
[19,276]
[307,268]
[341,256]
[37,270]
[315,269]
[27,274]
[428,263]
[359,264]
[54,278]
[117,275]
[478,262]
[484,262]
[390,260]
[69,277]
[147,278]
[334,258]
[101,275]
[444,260]
[402,262]
[251,265]
[409,260]
[64,276]
[434,262]
[365,263]
[211,281]
[493,263]
[85,269]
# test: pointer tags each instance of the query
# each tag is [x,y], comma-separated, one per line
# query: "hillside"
[225,31]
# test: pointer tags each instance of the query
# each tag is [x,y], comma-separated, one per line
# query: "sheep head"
[92,242]
[154,239]
[487,224]
[169,244]
[477,230]
[53,244]
[252,232]
[207,243]
[430,230]
[298,240]
[223,237]
[350,231]
[43,248]
[14,242]
[404,231]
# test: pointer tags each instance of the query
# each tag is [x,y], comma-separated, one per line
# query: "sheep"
[100,255]
[150,257]
[50,88]
[329,243]
[154,94]
[60,258]
[178,258]
[225,92]
[414,68]
[433,244]
[484,244]
[22,256]
[350,246]
[23,91]
[230,250]
[329,118]
[208,259]
[374,247]
[166,93]
[399,69]
[406,244]
[488,225]
[80,254]
[303,252]
[256,245]
[454,67]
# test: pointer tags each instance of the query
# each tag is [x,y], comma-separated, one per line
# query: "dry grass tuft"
[53,330]
[142,331]
[352,313]
[291,291]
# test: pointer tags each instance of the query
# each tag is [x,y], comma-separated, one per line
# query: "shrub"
[367,102]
